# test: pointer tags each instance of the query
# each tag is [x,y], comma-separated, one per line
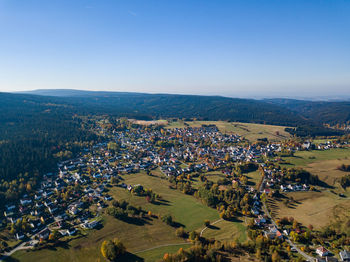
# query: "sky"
[247,48]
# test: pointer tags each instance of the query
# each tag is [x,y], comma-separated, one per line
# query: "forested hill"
[308,116]
[332,113]
[182,106]
[32,130]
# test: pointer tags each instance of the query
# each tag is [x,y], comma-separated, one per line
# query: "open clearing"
[303,158]
[223,231]
[254,178]
[323,163]
[250,131]
[157,253]
[185,209]
[327,171]
[315,208]
[148,122]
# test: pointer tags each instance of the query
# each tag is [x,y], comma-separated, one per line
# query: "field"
[185,209]
[303,158]
[148,122]
[327,171]
[317,208]
[157,253]
[250,131]
[254,178]
[223,231]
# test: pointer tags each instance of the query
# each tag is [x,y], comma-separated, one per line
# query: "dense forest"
[309,117]
[33,131]
[332,113]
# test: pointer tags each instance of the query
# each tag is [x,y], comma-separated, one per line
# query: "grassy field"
[185,209]
[328,172]
[248,130]
[157,253]
[254,178]
[303,158]
[223,231]
[317,208]
[149,122]
[214,176]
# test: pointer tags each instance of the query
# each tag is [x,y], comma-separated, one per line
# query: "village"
[72,198]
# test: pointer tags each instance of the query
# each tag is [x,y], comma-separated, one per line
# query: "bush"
[168,219]
[180,232]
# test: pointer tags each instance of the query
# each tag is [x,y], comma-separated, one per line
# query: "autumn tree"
[275,257]
[111,250]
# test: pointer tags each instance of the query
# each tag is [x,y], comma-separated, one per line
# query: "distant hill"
[75,93]
[318,111]
[305,115]
[167,105]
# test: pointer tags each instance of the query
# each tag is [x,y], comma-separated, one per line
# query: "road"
[217,221]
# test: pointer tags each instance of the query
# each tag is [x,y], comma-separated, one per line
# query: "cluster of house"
[308,145]
[325,255]
[262,220]
[56,205]
[294,187]
[272,180]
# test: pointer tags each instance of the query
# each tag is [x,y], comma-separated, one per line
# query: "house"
[63,232]
[73,210]
[19,236]
[258,222]
[262,219]
[25,201]
[44,234]
[71,231]
[267,190]
[255,211]
[344,255]
[108,198]
[35,223]
[321,251]
[10,207]
[90,225]
[306,145]
[273,233]
[8,214]
[37,196]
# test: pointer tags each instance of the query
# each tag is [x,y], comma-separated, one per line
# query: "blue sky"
[235,48]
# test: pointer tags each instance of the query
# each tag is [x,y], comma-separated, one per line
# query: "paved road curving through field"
[217,221]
